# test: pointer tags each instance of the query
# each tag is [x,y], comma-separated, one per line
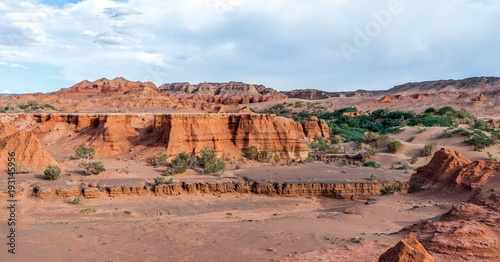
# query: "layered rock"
[28,151]
[441,170]
[224,93]
[314,127]
[470,230]
[407,250]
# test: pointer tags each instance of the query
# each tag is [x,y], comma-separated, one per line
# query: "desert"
[292,187]
[238,130]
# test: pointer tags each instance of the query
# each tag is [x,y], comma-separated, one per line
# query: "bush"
[252,153]
[75,200]
[429,149]
[92,167]
[159,159]
[19,168]
[160,180]
[85,152]
[392,188]
[413,160]
[211,163]
[277,158]
[394,146]
[179,164]
[479,141]
[372,164]
[52,172]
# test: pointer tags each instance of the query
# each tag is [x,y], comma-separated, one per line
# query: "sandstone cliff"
[224,93]
[315,127]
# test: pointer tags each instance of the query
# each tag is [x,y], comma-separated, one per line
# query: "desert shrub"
[483,125]
[429,149]
[479,141]
[374,164]
[85,152]
[445,134]
[373,177]
[277,158]
[491,158]
[337,139]
[92,167]
[52,172]
[411,139]
[211,163]
[75,200]
[394,146]
[179,164]
[265,155]
[159,159]
[413,160]
[392,188]
[366,150]
[252,153]
[160,180]
[309,158]
[19,168]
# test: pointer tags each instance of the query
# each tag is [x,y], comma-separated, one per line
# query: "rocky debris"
[481,97]
[440,172]
[418,96]
[223,93]
[29,151]
[407,250]
[314,127]
[68,192]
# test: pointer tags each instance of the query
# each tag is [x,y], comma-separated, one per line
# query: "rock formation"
[315,128]
[407,250]
[470,230]
[314,94]
[481,97]
[223,93]
[28,151]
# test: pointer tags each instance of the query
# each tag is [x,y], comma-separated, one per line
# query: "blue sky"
[285,44]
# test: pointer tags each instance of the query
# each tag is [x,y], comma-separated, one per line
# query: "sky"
[332,45]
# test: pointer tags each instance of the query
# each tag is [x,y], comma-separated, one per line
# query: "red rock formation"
[407,250]
[28,151]
[386,99]
[315,128]
[224,93]
[479,98]
[470,230]
[441,170]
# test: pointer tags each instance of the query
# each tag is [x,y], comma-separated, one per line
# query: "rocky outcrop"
[441,171]
[407,250]
[28,151]
[315,94]
[481,97]
[223,93]
[334,190]
[470,230]
[315,128]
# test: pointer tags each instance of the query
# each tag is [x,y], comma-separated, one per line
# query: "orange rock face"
[315,128]
[441,170]
[28,151]
[407,250]
[470,230]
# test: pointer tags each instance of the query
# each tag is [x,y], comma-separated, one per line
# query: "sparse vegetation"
[52,172]
[491,158]
[277,158]
[429,149]
[127,212]
[75,200]
[92,167]
[392,188]
[394,146]
[160,180]
[19,168]
[372,164]
[373,177]
[179,164]
[252,153]
[88,211]
[159,159]
[211,163]
[85,152]
[28,107]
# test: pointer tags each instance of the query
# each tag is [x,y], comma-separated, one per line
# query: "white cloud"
[292,42]
[5,91]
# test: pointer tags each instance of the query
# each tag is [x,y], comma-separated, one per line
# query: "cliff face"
[315,127]
[113,135]
[224,93]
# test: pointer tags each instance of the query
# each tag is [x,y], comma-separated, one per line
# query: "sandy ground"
[196,227]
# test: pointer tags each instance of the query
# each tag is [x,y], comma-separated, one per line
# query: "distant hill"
[485,85]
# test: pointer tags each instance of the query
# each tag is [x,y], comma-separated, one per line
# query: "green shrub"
[413,160]
[52,172]
[394,146]
[179,164]
[252,153]
[429,149]
[92,167]
[392,188]
[372,164]
[85,152]
[160,180]
[159,159]
[19,168]
[277,158]
[309,158]
[211,163]
[491,158]
[479,141]
[75,200]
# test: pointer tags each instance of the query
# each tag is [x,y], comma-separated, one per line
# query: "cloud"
[284,44]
